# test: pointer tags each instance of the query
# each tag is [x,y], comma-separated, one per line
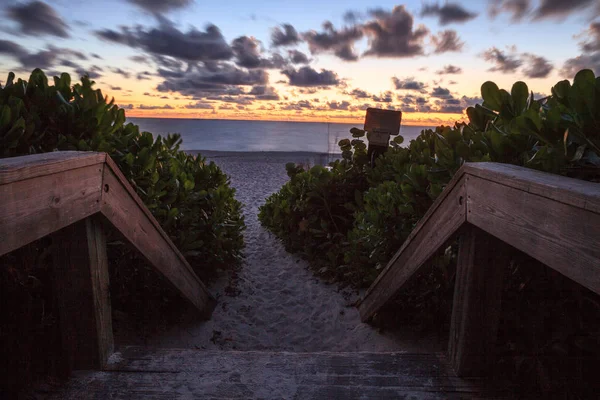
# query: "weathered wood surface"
[37,206]
[439,224]
[82,293]
[121,206]
[482,262]
[562,236]
[21,168]
[43,193]
[552,218]
[191,374]
[574,192]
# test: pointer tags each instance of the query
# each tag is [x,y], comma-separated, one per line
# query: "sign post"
[379,125]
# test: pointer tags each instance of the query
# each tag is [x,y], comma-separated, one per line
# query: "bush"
[349,220]
[191,199]
[557,134]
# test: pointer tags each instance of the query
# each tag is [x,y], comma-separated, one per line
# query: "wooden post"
[82,294]
[482,261]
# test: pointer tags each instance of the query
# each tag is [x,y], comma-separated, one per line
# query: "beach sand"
[274,302]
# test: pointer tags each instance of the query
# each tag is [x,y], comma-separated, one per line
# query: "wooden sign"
[383,121]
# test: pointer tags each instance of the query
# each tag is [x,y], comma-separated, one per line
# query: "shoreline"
[305,157]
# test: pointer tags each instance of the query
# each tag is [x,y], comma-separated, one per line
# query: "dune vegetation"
[349,219]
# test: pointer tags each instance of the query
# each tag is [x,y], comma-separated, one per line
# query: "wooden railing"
[494,208]
[70,195]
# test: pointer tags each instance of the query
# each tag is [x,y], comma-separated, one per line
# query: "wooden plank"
[439,224]
[125,183]
[174,373]
[482,262]
[26,167]
[123,208]
[570,191]
[562,236]
[35,207]
[82,293]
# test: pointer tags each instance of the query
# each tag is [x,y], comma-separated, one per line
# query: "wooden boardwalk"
[142,373]
[492,208]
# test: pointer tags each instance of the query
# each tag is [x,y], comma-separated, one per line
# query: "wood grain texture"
[125,183]
[562,236]
[35,207]
[122,207]
[575,192]
[82,293]
[26,167]
[482,262]
[187,374]
[436,228]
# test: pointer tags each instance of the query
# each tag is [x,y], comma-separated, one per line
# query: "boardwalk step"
[142,373]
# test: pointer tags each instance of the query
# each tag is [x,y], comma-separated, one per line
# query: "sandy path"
[277,303]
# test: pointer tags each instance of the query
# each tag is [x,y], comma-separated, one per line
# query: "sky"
[301,60]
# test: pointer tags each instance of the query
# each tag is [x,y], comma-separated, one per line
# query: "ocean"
[257,136]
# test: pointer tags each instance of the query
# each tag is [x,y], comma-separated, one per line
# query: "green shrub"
[192,199]
[558,134]
[375,209]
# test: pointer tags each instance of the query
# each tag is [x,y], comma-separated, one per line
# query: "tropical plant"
[559,133]
[192,199]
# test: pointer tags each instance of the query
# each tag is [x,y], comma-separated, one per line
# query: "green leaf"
[399,139]
[519,94]
[492,97]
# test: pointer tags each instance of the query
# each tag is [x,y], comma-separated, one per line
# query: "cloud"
[262,92]
[450,70]
[306,76]
[299,105]
[536,66]
[11,48]
[502,61]
[298,57]
[160,6]
[391,34]
[383,97]
[516,8]
[115,88]
[590,57]
[201,105]
[339,42]
[217,80]
[93,72]
[471,101]
[447,41]
[94,55]
[248,54]
[167,40]
[560,8]
[408,84]
[37,18]
[44,59]
[441,93]
[448,13]
[334,105]
[121,72]
[287,36]
[359,94]
[144,75]
[150,107]
[544,9]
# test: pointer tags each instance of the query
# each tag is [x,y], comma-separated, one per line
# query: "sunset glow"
[304,61]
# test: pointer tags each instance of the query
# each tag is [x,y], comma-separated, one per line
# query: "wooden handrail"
[47,193]
[554,219]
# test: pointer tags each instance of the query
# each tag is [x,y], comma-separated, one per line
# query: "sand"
[274,302]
